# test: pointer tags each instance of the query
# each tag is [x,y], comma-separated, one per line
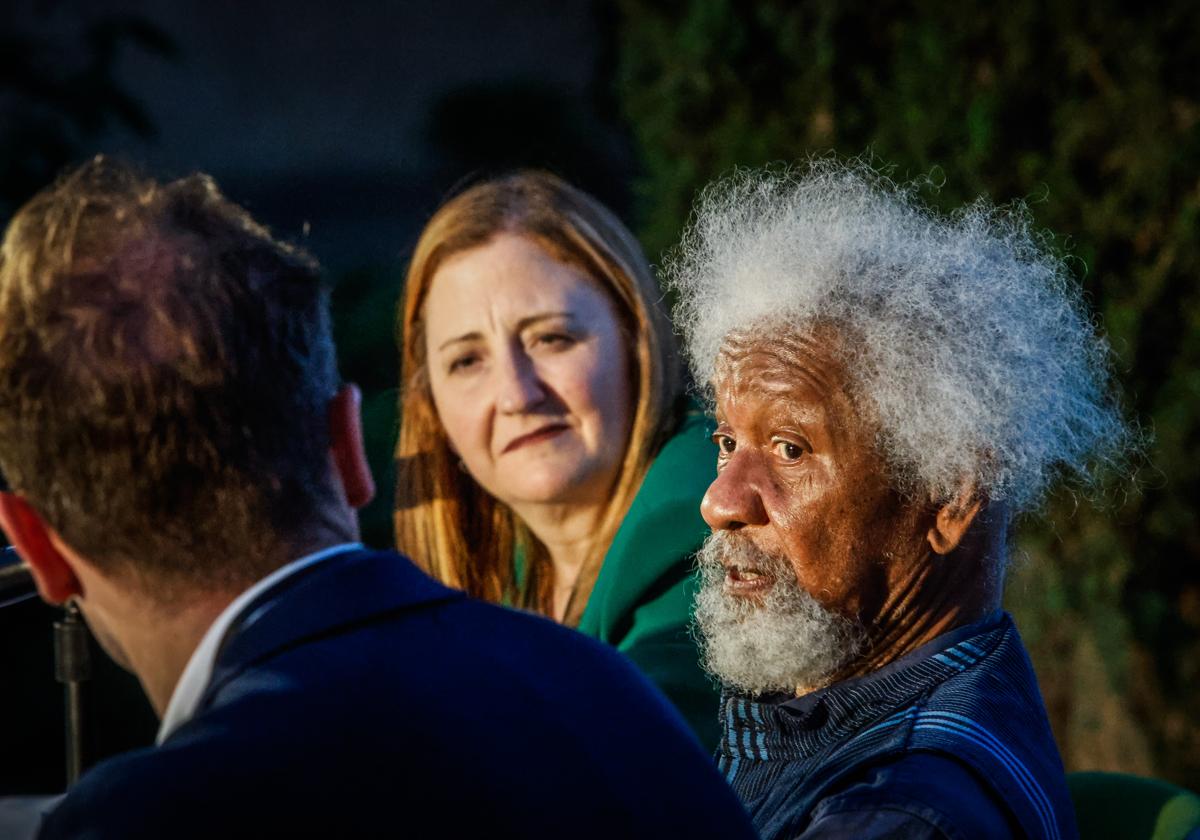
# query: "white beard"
[780,643]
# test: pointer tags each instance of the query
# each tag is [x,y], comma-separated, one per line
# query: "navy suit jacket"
[368,700]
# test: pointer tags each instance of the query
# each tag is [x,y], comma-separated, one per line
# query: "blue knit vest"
[976,702]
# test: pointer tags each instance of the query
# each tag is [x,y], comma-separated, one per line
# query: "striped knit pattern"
[976,701]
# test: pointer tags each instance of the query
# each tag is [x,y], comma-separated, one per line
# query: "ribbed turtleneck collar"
[787,729]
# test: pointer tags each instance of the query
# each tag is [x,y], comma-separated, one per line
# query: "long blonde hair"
[444,520]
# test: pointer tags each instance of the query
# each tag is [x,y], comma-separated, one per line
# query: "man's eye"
[788,451]
[725,444]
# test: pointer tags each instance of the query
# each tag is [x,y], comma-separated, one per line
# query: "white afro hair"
[969,343]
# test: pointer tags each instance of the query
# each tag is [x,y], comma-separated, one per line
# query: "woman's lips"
[536,436]
[744,580]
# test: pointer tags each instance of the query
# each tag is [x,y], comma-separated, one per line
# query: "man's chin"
[770,640]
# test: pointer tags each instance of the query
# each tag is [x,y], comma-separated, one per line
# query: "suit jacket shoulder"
[366,698]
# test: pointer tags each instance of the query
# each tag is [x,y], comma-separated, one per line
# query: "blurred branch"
[56,99]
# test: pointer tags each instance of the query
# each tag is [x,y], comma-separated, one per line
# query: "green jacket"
[642,601]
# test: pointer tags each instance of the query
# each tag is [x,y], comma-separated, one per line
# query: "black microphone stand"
[72,656]
[72,667]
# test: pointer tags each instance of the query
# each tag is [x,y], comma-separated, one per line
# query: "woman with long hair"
[547,458]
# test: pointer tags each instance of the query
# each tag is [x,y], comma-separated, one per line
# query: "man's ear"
[953,519]
[346,446]
[54,576]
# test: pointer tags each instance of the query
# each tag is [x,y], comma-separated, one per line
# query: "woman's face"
[529,372]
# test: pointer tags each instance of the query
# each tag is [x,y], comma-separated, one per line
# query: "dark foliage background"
[1088,111]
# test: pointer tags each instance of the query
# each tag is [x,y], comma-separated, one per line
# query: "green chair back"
[1119,806]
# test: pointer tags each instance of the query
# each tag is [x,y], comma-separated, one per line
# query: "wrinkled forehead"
[779,360]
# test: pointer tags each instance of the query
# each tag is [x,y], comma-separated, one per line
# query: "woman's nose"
[520,389]
[733,500]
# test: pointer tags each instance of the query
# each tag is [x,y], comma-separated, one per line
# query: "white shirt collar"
[198,671]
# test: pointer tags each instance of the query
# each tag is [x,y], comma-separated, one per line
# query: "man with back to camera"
[185,464]
[891,388]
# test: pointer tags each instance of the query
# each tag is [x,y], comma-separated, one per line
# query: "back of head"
[165,372]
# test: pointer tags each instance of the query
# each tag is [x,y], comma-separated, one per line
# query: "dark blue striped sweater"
[951,740]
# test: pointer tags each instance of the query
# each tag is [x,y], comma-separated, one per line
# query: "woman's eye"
[554,340]
[788,451]
[463,363]
[725,444]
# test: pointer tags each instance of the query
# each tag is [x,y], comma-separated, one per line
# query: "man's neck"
[154,637]
[150,637]
[163,651]
[940,594]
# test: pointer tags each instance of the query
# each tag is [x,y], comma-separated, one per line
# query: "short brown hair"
[446,521]
[165,373]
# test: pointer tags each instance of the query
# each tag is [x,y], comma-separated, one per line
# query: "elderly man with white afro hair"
[892,386]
